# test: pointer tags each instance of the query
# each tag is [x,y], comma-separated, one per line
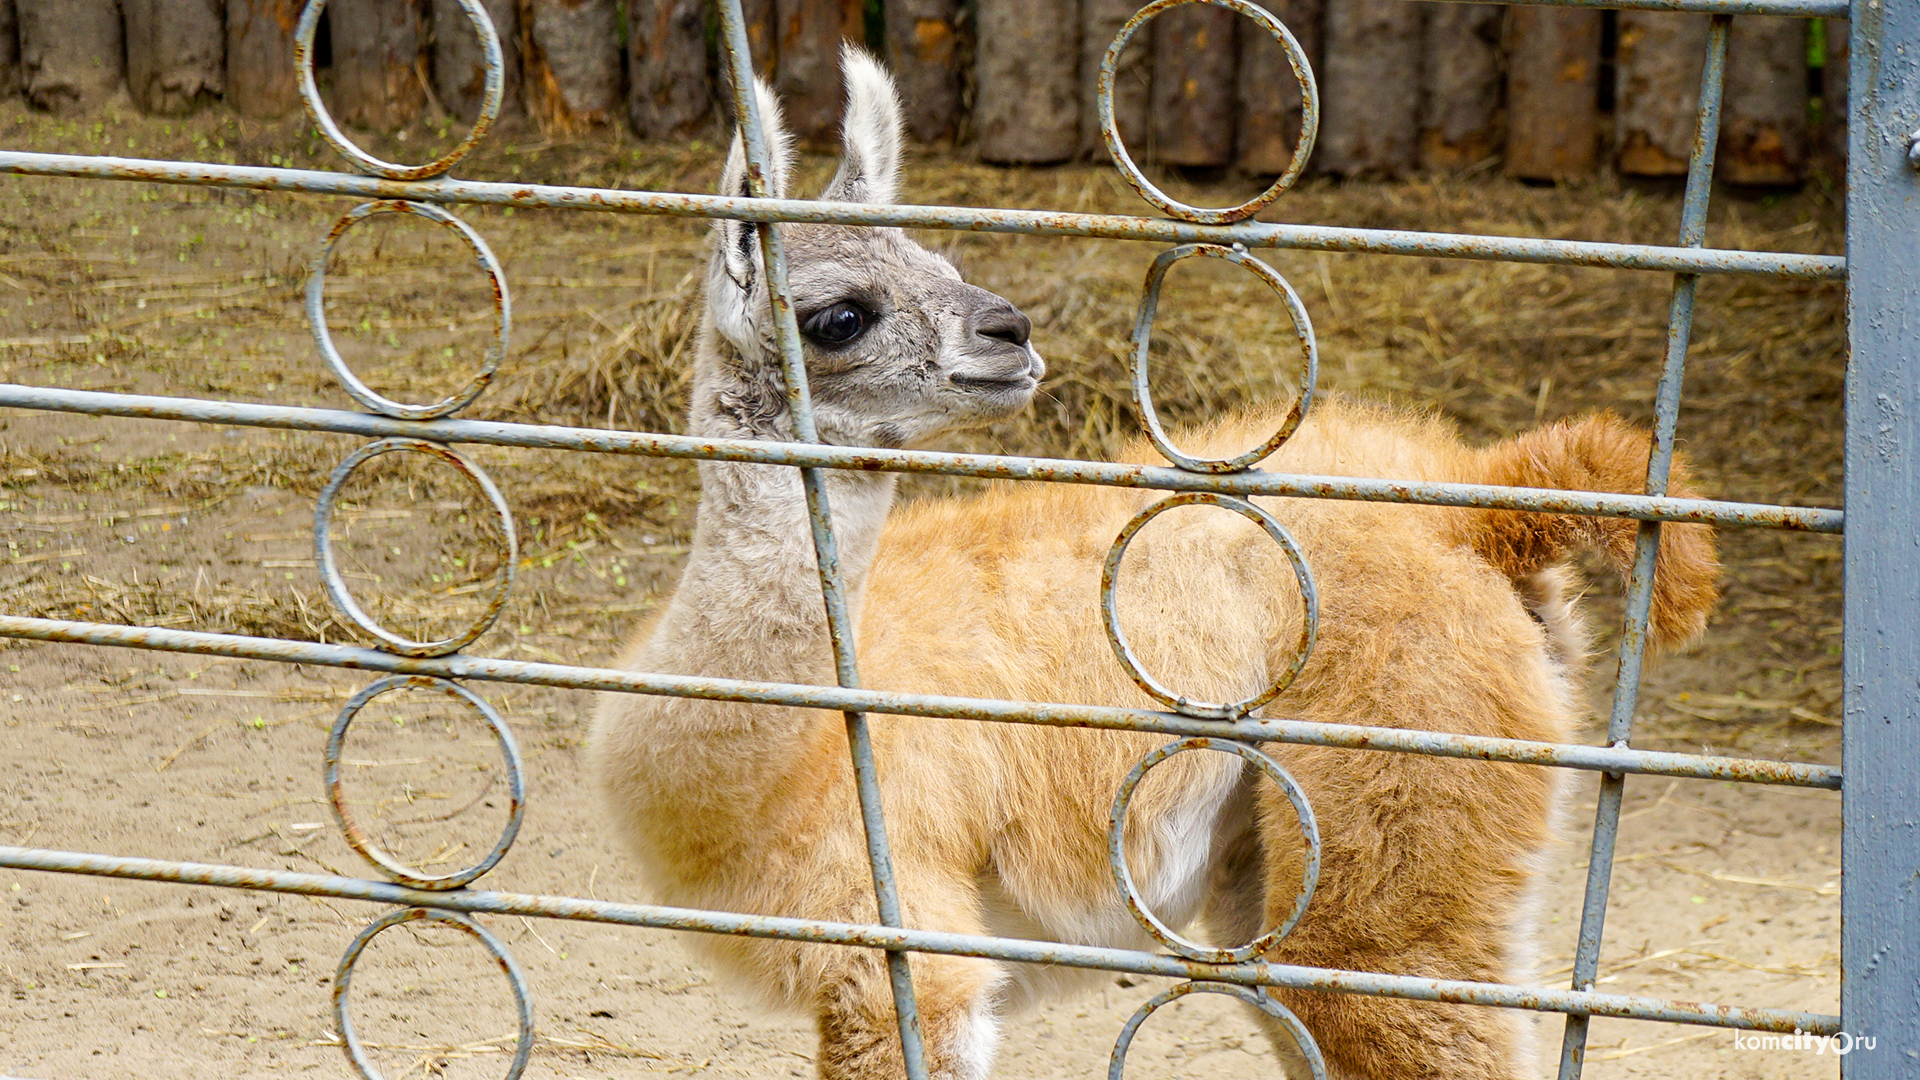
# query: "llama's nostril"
[1004,324]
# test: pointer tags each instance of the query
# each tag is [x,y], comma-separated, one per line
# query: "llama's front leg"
[860,1037]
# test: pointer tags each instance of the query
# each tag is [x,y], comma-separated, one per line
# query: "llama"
[1456,620]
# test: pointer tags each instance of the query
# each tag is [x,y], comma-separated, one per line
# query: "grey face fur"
[898,348]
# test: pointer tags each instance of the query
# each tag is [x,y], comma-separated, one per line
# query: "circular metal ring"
[1117,853]
[400,872]
[322,337]
[1110,609]
[490,97]
[343,976]
[1302,147]
[1252,995]
[330,570]
[1143,335]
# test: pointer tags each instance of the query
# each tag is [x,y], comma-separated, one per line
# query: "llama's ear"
[870,168]
[740,240]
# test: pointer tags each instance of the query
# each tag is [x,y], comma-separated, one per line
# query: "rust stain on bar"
[1253,973]
[1050,223]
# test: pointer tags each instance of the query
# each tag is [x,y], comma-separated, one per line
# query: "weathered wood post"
[763,36]
[1763,139]
[1194,89]
[1660,59]
[376,62]
[1371,91]
[1027,107]
[570,60]
[460,68]
[9,50]
[176,54]
[261,79]
[1100,23]
[1833,96]
[1270,102]
[669,85]
[70,53]
[923,49]
[808,74]
[1461,86]
[1553,93]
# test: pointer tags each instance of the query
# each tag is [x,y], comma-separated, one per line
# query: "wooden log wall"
[71,55]
[9,49]
[923,48]
[1543,94]
[1553,93]
[176,54]
[1461,74]
[459,64]
[376,80]
[261,80]
[1370,88]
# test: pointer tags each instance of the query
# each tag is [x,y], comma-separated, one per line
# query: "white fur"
[870,171]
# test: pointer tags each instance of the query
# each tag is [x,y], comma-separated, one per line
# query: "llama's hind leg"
[1417,879]
[956,998]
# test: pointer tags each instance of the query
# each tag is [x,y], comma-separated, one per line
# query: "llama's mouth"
[979,385]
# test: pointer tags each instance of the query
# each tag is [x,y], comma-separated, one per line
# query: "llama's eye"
[836,325]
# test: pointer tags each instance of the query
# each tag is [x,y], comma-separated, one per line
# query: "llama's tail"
[1599,453]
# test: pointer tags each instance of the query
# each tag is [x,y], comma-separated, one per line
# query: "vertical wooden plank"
[376,62]
[1763,135]
[1833,98]
[763,36]
[1553,86]
[1027,105]
[1270,102]
[570,57]
[70,53]
[923,49]
[1880,657]
[261,79]
[808,75]
[1461,86]
[669,82]
[176,54]
[1194,88]
[1371,95]
[1100,23]
[459,67]
[1659,63]
[9,50]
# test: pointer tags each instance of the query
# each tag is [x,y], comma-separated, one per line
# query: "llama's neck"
[749,603]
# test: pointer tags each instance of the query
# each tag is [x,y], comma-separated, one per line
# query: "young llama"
[1454,620]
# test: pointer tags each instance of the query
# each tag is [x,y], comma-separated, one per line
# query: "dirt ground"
[1721,892]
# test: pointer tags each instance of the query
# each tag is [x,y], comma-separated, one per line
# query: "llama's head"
[898,348]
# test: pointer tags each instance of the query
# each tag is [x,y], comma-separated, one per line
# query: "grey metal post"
[1880,848]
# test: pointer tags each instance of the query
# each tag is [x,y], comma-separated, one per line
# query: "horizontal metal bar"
[844,699]
[1040,222]
[989,466]
[1829,9]
[929,941]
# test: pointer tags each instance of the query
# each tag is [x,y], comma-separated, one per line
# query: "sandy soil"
[1722,892]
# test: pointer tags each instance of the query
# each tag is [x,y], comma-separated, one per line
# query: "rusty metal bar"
[1640,581]
[986,466]
[1250,234]
[574,677]
[826,545]
[931,941]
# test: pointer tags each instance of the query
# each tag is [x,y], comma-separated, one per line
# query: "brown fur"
[1001,827]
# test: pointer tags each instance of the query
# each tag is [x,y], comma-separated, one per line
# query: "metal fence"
[1880,995]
